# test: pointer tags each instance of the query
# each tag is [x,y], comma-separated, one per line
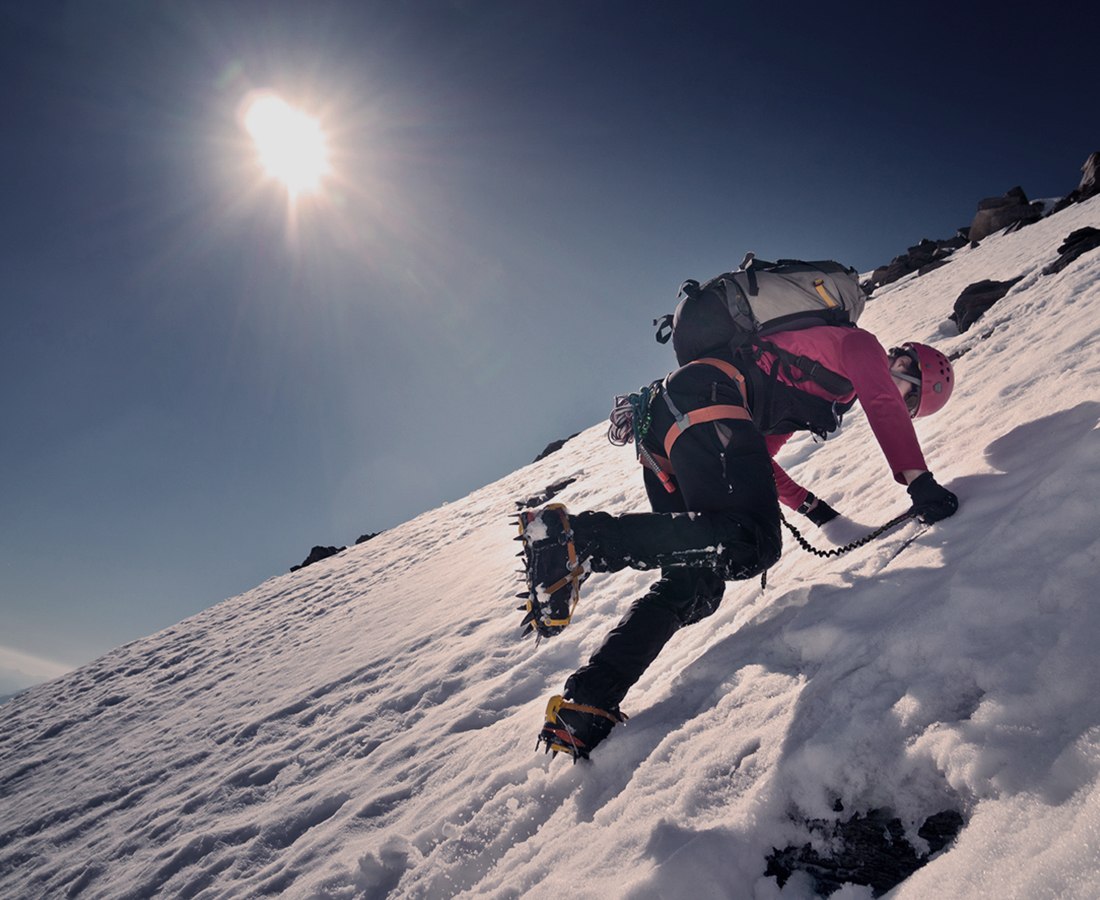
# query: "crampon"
[576,729]
[552,571]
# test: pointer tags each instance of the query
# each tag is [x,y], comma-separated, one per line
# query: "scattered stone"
[977,298]
[547,494]
[1078,242]
[363,538]
[870,850]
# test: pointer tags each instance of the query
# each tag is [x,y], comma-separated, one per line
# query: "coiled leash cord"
[837,551]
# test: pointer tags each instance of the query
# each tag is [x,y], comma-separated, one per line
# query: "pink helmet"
[937,378]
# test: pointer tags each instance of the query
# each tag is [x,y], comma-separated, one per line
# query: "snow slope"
[365,727]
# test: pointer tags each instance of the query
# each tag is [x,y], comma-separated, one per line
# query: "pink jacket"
[858,356]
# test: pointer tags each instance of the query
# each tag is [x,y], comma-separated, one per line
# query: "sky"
[365,728]
[198,383]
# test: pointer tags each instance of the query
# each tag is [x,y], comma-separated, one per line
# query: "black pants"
[720,524]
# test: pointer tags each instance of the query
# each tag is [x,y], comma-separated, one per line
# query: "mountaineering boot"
[553,571]
[726,542]
[576,729]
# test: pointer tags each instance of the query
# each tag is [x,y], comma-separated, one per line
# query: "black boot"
[575,728]
[716,540]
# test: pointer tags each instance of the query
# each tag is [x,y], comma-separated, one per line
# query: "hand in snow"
[931,502]
[820,512]
[842,530]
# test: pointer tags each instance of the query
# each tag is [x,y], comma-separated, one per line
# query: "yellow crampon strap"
[558,702]
[563,741]
[574,574]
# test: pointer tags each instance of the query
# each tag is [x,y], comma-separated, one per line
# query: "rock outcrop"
[977,298]
[1089,186]
[995,213]
[1077,242]
[554,447]
[924,257]
[866,849]
[316,555]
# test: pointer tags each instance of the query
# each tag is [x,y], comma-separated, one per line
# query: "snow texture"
[365,727]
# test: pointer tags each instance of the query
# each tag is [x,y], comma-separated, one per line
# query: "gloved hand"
[821,513]
[931,502]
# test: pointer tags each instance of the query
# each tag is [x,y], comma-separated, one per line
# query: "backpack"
[759,299]
[737,310]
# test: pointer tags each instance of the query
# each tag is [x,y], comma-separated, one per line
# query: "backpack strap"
[689,288]
[811,369]
[683,421]
[748,266]
[775,403]
[664,328]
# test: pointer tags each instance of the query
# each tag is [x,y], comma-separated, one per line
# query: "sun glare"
[292,147]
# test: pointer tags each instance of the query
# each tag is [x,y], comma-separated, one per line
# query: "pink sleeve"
[858,356]
[868,368]
[790,492]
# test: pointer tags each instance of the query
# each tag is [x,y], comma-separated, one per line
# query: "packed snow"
[365,727]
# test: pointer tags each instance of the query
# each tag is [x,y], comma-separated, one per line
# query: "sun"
[292,147]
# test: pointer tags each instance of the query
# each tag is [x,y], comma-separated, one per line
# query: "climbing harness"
[631,420]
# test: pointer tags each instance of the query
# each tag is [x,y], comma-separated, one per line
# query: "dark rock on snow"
[554,447]
[977,298]
[1089,186]
[319,553]
[995,213]
[924,257]
[547,494]
[316,555]
[870,850]
[1078,242]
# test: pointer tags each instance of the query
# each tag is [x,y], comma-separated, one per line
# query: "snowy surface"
[365,727]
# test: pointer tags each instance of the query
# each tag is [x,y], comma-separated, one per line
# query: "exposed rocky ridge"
[1012,210]
[316,555]
[997,213]
[1089,186]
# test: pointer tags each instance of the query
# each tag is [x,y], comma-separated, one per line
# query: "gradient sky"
[197,386]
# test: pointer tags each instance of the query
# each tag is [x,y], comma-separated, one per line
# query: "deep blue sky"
[193,394]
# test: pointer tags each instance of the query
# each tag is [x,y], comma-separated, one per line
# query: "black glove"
[820,514]
[931,502]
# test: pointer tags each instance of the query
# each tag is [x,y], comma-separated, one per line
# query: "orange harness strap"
[708,413]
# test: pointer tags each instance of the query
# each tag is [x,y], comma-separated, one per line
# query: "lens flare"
[292,147]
